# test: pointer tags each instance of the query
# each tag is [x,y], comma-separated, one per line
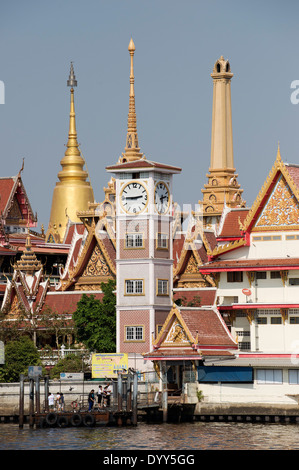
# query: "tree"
[19,355]
[95,320]
[71,363]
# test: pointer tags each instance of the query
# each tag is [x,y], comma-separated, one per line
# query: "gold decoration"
[176,334]
[282,208]
[96,265]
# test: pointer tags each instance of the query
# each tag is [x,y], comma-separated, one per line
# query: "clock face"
[161,197]
[134,197]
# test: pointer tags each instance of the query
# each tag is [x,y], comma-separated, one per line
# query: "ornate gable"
[95,260]
[96,271]
[275,208]
[174,331]
[281,210]
[176,335]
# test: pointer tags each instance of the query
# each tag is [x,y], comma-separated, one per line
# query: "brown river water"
[154,437]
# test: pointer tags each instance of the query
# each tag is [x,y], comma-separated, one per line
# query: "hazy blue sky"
[177,44]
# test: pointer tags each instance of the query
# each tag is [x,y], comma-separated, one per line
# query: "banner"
[108,365]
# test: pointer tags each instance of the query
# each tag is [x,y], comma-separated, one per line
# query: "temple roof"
[194,333]
[143,163]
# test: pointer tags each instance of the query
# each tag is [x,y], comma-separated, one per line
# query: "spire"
[72,163]
[132,151]
[222,189]
[222,135]
[72,193]
[28,262]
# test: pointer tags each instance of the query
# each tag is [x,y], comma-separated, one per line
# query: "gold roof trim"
[175,311]
[278,166]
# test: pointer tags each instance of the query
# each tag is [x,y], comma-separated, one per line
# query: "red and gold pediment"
[95,263]
[277,204]
[176,335]
[281,210]
[275,208]
[174,331]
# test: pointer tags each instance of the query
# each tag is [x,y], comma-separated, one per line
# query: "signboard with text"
[108,365]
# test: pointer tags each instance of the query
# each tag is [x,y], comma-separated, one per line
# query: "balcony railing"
[51,356]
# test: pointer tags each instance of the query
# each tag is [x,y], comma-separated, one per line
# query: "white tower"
[144,244]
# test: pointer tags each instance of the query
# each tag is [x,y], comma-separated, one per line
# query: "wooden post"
[135,389]
[119,392]
[31,402]
[129,393]
[164,391]
[46,393]
[37,395]
[21,402]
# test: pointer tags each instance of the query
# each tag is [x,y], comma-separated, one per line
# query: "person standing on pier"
[100,396]
[90,400]
[107,394]
[51,400]
[58,401]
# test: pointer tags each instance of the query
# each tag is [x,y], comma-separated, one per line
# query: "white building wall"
[283,393]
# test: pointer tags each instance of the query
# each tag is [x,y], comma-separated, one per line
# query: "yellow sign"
[108,365]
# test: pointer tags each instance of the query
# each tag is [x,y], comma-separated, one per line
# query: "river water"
[193,436]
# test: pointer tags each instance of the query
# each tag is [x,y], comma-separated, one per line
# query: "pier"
[122,411]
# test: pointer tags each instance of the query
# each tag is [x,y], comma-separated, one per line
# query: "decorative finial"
[131,47]
[132,151]
[278,156]
[72,78]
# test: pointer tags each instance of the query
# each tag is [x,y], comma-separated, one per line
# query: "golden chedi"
[73,191]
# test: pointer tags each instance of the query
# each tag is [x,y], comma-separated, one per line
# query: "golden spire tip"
[131,47]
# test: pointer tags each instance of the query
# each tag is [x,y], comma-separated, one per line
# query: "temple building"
[218,296]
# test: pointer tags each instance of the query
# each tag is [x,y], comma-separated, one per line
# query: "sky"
[177,44]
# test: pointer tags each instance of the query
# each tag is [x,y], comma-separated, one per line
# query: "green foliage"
[182,301]
[71,363]
[19,355]
[200,395]
[95,320]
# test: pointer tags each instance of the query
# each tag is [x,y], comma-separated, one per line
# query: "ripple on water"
[183,436]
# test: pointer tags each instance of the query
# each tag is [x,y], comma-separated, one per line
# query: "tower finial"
[72,78]
[72,144]
[132,151]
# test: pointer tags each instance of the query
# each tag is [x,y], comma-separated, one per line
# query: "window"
[244,346]
[275,320]
[134,240]
[293,376]
[162,241]
[235,276]
[275,275]
[269,376]
[294,320]
[261,320]
[294,281]
[134,286]
[266,238]
[134,333]
[242,333]
[261,275]
[162,287]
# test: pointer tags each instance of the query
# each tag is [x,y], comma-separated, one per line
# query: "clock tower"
[144,243]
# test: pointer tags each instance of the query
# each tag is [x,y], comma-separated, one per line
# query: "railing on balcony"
[51,356]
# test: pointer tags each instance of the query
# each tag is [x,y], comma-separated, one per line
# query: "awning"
[224,374]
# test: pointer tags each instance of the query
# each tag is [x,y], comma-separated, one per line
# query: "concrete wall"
[10,394]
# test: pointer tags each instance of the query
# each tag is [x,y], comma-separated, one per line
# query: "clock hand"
[133,197]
